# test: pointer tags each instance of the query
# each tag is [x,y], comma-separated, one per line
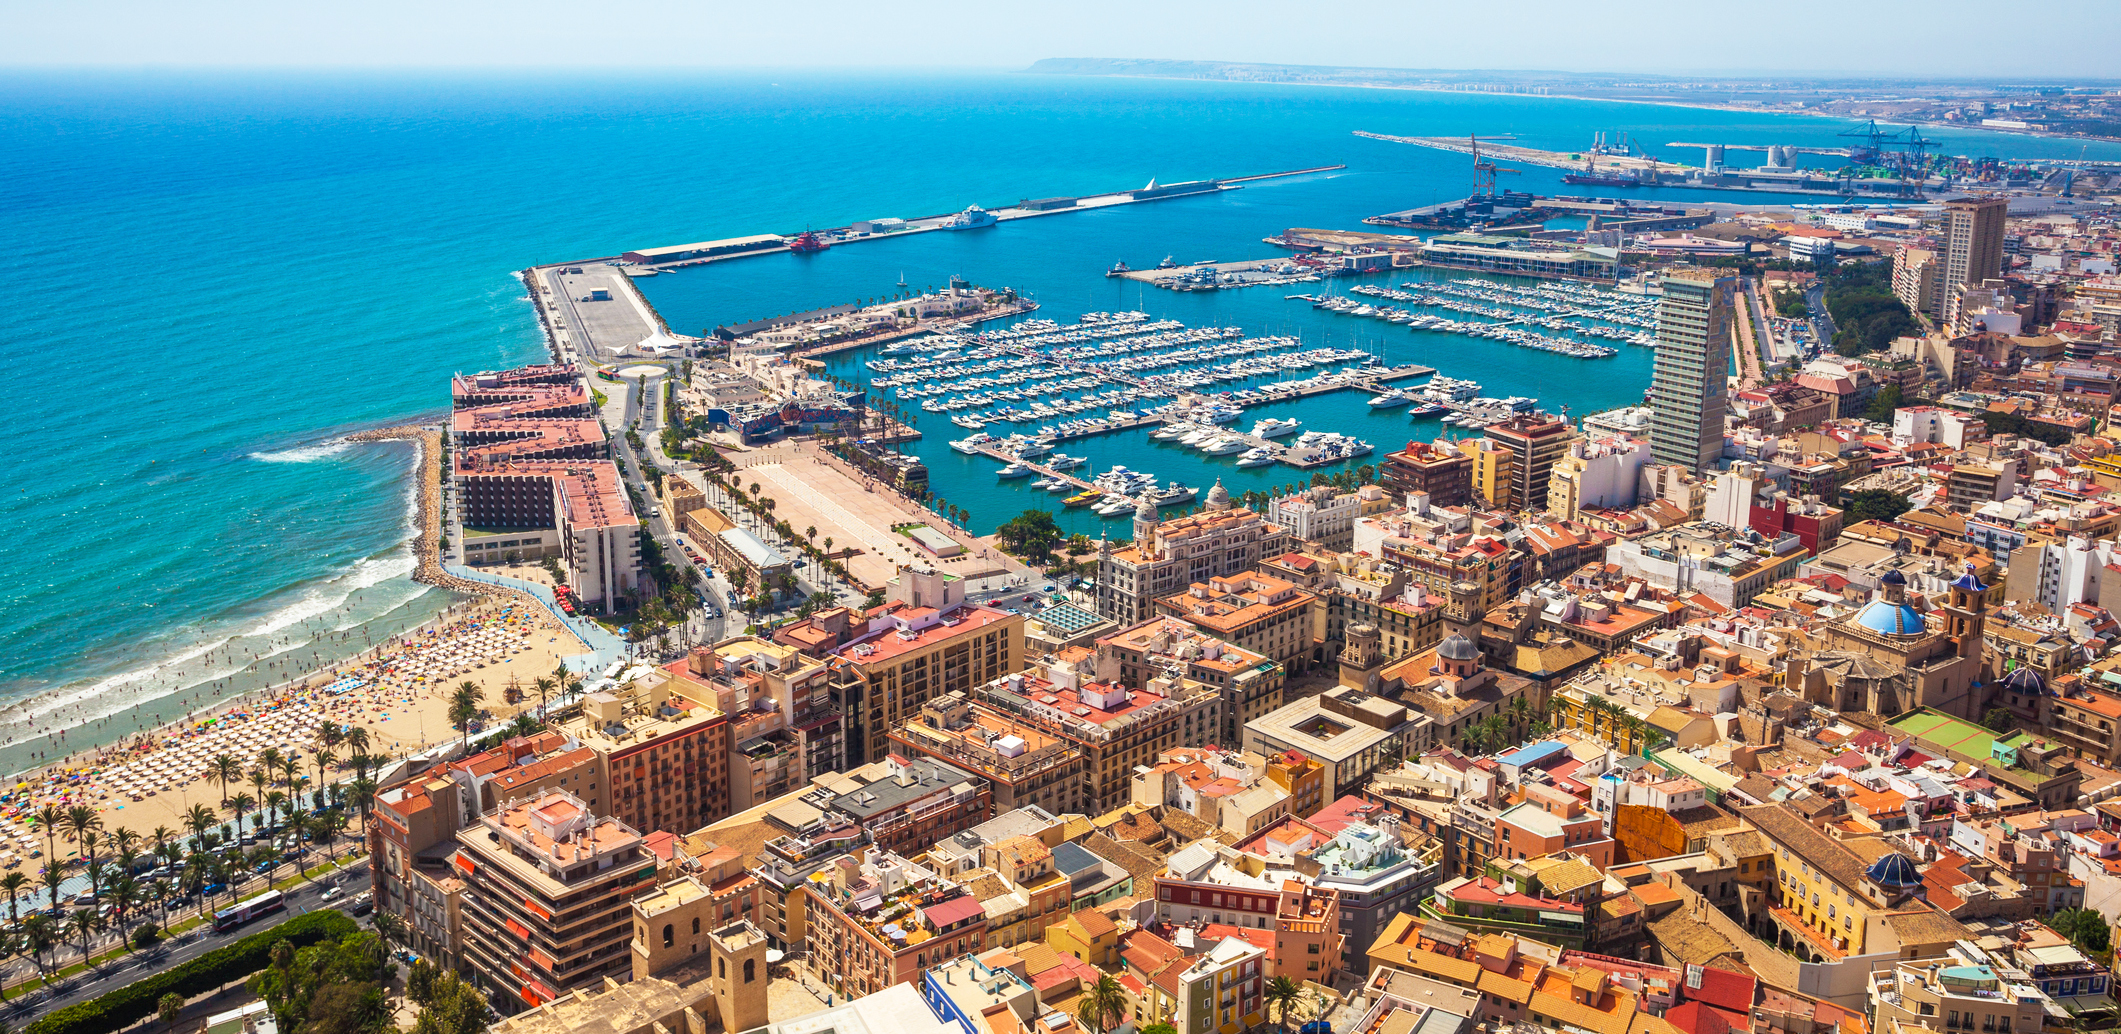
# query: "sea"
[219,276]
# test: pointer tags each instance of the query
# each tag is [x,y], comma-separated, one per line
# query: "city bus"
[236,915]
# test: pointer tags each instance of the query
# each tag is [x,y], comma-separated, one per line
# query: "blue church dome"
[2024,681]
[1968,582]
[1893,870]
[1891,618]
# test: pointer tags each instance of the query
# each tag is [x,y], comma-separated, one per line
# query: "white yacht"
[1271,428]
[1225,446]
[1258,457]
[1014,470]
[1391,400]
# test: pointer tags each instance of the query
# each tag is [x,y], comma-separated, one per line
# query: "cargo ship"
[806,242]
[1599,179]
[972,218]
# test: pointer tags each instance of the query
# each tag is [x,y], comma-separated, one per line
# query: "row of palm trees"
[1618,725]
[213,854]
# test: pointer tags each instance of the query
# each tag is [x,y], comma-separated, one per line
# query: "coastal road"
[303,897]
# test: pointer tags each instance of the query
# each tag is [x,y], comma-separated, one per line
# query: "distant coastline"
[1286,75]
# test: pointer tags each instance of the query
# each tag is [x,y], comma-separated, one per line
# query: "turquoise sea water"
[216,277]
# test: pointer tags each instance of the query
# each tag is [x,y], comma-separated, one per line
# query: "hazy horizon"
[2072,39]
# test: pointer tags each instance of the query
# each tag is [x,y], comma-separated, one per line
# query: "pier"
[650,261]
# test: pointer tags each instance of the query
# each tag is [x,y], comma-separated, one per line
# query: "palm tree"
[269,762]
[325,758]
[39,936]
[14,883]
[226,769]
[364,797]
[464,708]
[544,685]
[199,819]
[274,803]
[124,840]
[85,924]
[241,804]
[1282,995]
[357,741]
[1103,1005]
[80,820]
[50,818]
[123,895]
[52,877]
[260,781]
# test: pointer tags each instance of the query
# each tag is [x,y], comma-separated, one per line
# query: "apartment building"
[1114,727]
[781,728]
[1258,612]
[1025,765]
[882,920]
[1438,471]
[663,745]
[1534,442]
[924,643]
[1324,516]
[1208,883]
[548,902]
[903,804]
[1371,870]
[1249,682]
[1221,989]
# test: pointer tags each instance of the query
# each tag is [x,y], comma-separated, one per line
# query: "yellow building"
[1836,898]
[1087,936]
[1494,469]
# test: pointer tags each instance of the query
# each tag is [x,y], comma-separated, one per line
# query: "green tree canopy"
[1877,504]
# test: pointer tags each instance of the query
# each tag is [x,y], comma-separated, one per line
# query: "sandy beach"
[399,693]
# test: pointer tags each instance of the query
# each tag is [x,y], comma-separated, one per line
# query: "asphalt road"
[303,897]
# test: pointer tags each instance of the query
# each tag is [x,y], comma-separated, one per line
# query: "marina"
[1125,372]
[1509,312]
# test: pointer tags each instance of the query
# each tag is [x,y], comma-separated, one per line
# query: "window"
[695,924]
[670,935]
[751,967]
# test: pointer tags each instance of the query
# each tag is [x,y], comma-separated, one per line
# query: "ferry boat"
[1118,268]
[806,243]
[972,218]
[1082,498]
[1169,262]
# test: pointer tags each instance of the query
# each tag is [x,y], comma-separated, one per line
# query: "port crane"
[1874,142]
[1484,171]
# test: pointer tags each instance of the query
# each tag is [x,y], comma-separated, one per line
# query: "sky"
[1935,38]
